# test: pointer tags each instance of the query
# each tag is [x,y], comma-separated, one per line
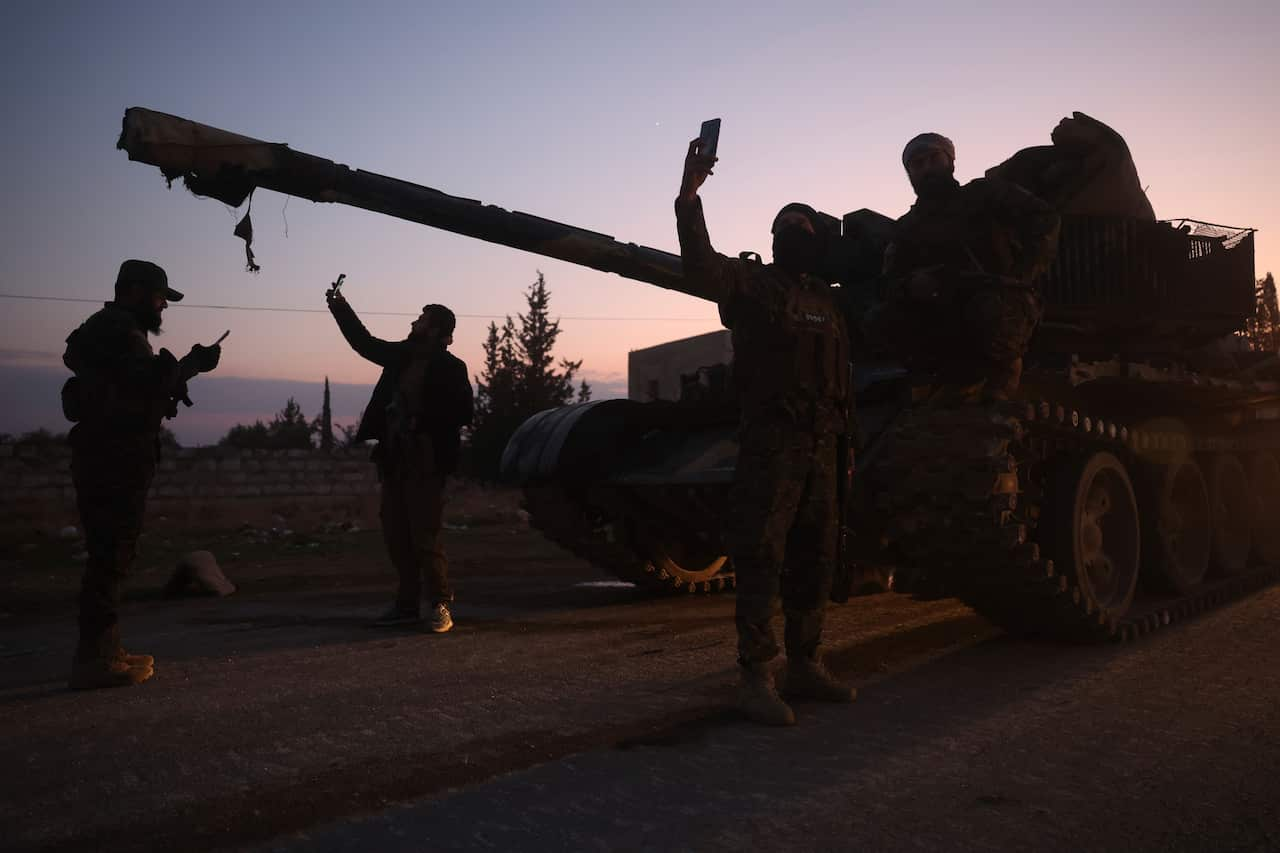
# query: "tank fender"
[576,442]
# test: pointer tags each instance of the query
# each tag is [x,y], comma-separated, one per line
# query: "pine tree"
[290,428]
[1262,331]
[495,386]
[1268,315]
[323,425]
[520,378]
[541,385]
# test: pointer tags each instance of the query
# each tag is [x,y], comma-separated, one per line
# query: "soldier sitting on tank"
[422,400]
[121,392]
[961,301]
[791,372]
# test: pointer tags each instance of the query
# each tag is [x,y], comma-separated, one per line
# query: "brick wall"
[212,486]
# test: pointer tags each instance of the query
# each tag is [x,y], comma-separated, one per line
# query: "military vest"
[99,396]
[791,352]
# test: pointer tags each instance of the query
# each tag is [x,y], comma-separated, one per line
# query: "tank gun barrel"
[227,166]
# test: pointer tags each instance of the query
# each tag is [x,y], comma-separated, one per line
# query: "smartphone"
[710,136]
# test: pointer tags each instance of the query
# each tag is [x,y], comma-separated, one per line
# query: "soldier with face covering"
[791,368]
[961,271]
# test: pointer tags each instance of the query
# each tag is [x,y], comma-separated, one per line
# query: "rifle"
[842,580]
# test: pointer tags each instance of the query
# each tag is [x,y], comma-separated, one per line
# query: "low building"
[653,373]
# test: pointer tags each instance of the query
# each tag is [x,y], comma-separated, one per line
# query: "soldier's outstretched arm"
[712,274]
[378,351]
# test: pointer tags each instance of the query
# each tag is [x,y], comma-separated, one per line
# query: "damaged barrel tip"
[227,166]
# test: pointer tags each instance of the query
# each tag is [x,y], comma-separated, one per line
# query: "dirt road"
[277,711]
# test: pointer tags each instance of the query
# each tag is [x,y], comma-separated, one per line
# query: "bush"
[288,430]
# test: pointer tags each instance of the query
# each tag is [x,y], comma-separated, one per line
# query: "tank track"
[560,518]
[955,487]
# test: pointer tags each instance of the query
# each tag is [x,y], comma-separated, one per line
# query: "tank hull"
[1135,481]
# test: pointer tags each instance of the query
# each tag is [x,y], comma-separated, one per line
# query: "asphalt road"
[563,713]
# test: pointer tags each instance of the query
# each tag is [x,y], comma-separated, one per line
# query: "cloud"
[30,390]
[31,394]
[30,357]
[606,385]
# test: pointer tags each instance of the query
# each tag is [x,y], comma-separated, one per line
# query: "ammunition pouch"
[842,579]
[72,399]
[180,396]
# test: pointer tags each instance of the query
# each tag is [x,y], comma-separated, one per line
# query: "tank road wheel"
[1231,508]
[566,520]
[1177,527]
[690,565]
[1096,534]
[1264,482]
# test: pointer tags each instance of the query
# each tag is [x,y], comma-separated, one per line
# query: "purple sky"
[575,112]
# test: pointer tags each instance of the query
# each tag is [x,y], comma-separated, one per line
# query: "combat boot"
[759,700]
[807,678]
[134,660]
[98,672]
[441,618]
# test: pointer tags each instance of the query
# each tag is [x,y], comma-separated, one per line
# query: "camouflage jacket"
[987,226]
[121,386]
[790,338]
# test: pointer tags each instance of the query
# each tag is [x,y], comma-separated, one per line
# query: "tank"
[1135,480]
[1131,484]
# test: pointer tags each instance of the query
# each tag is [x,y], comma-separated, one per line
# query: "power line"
[34,298]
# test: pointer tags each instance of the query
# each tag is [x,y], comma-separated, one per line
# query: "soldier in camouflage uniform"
[791,366]
[961,274]
[118,397]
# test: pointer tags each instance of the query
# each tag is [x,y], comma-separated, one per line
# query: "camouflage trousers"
[782,536]
[979,335]
[111,481]
[412,512]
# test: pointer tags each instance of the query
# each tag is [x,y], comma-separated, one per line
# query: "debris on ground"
[198,572]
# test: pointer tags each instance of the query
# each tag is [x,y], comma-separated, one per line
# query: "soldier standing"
[961,272]
[791,366]
[421,402]
[120,393]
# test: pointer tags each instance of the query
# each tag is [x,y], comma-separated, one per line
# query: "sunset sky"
[576,112]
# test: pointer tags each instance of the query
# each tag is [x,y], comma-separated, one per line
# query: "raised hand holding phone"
[698,163]
[709,137]
[335,289]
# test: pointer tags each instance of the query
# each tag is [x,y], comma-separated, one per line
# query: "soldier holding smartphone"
[791,357]
[422,400]
[121,392]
